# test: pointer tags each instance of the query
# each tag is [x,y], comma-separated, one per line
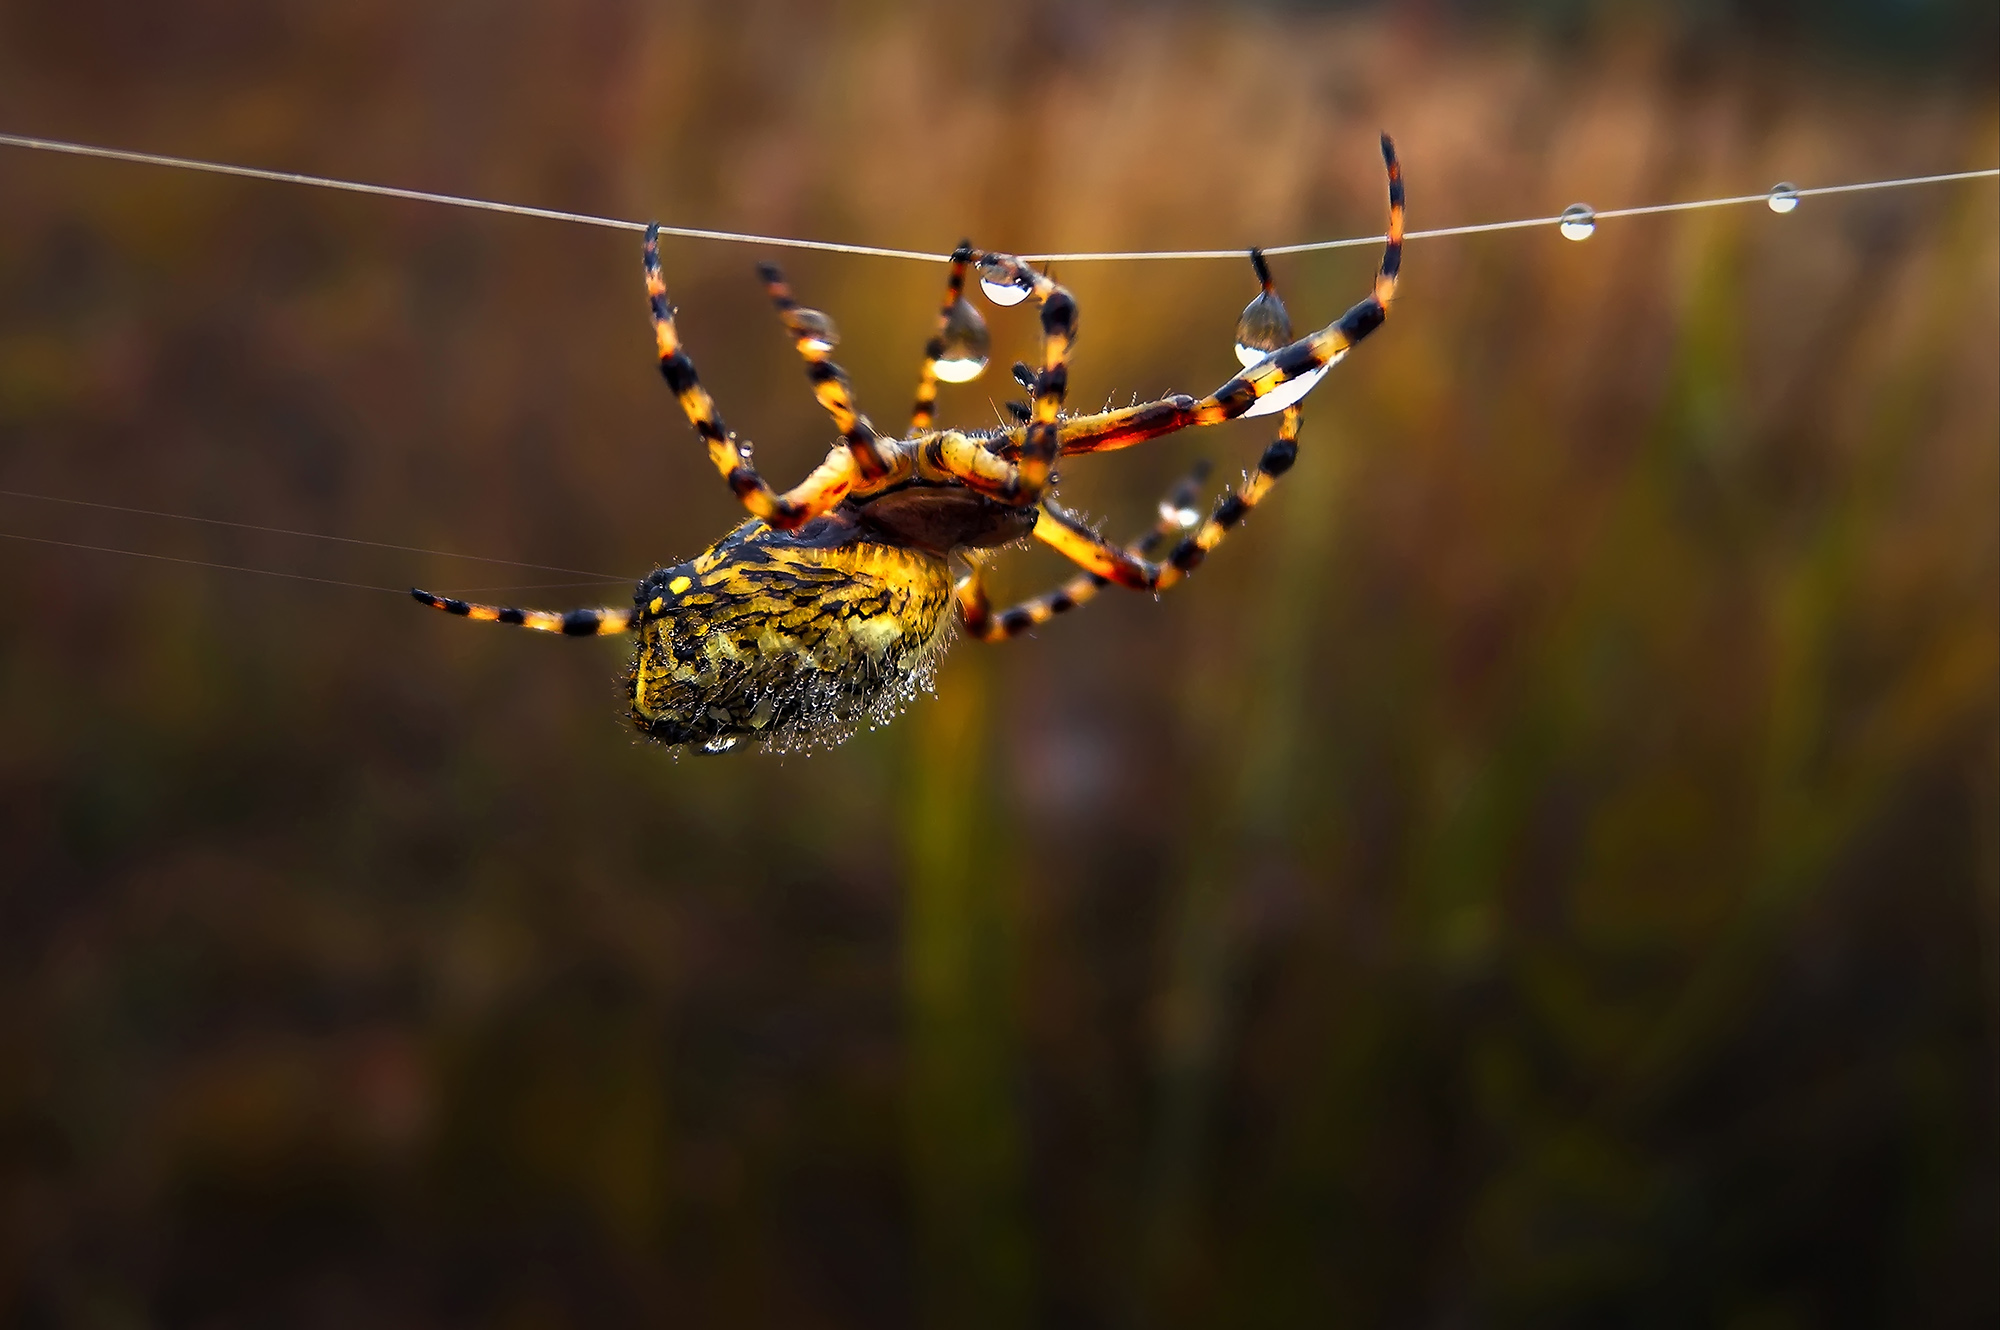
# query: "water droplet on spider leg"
[966,344]
[1290,391]
[1265,327]
[815,330]
[1578,221]
[1784,197]
[1002,284]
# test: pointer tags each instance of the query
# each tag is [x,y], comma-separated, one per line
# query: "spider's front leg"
[1128,565]
[1019,477]
[976,612]
[818,493]
[1277,381]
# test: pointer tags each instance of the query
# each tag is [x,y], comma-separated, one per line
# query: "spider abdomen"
[785,638]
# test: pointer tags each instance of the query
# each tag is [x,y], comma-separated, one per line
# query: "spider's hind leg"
[570,623]
[818,493]
[812,334]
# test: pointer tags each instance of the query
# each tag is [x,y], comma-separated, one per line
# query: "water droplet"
[966,344]
[1001,284]
[1264,328]
[1180,517]
[1784,197]
[815,330]
[1579,221]
[1291,390]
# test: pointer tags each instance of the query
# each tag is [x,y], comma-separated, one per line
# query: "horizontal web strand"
[316,535]
[877,251]
[199,563]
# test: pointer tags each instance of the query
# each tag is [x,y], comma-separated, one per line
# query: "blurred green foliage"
[1545,869]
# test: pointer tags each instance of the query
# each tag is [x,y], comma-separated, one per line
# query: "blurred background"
[1544,870]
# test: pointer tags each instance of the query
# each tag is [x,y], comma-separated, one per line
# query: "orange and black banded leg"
[1286,376]
[818,493]
[812,333]
[924,414]
[570,623]
[977,614]
[1039,443]
[1276,382]
[1131,566]
[1068,536]
[1234,505]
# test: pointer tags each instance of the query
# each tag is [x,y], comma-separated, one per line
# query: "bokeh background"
[1544,870]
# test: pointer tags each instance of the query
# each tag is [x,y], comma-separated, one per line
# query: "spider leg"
[1068,536]
[818,493]
[924,414]
[812,338]
[976,613]
[1304,360]
[1021,477]
[572,623]
[1128,565]
[1234,505]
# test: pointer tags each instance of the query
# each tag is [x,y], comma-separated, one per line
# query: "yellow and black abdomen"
[787,638]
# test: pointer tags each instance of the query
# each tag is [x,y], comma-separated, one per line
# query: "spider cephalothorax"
[829,606]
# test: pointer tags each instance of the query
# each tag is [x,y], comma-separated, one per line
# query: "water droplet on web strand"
[1265,327]
[966,344]
[815,330]
[1784,197]
[1001,285]
[1578,221]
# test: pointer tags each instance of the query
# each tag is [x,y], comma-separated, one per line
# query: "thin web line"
[877,251]
[538,586]
[200,563]
[315,535]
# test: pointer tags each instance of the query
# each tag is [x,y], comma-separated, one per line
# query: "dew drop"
[1579,221]
[966,344]
[1291,390]
[1001,285]
[815,330]
[1784,197]
[1265,327]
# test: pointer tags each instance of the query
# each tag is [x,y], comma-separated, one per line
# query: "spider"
[829,606]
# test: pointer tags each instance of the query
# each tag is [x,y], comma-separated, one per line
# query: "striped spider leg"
[1018,476]
[924,414]
[813,335]
[1274,383]
[818,493]
[829,606]
[1261,389]
[977,614]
